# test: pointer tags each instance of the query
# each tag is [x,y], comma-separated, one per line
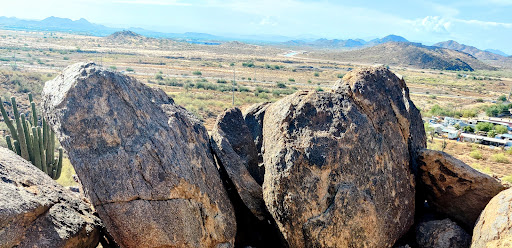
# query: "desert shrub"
[113,67]
[501,129]
[484,126]
[479,100]
[129,69]
[491,134]
[248,64]
[159,76]
[316,74]
[500,158]
[468,113]
[340,75]
[197,73]
[482,169]
[507,178]
[476,154]
[502,98]
[468,129]
[319,89]
[291,79]
[280,85]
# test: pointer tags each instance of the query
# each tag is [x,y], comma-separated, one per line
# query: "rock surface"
[494,226]
[453,188]
[254,116]
[441,234]
[144,161]
[37,212]
[233,145]
[338,164]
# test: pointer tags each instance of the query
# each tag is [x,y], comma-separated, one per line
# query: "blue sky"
[484,24]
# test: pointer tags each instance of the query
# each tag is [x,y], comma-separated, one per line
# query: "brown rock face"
[143,161]
[338,164]
[453,188]
[441,234]
[253,117]
[234,148]
[37,212]
[233,145]
[494,227]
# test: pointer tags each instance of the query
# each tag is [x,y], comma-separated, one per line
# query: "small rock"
[441,234]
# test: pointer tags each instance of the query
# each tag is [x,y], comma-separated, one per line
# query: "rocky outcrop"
[254,116]
[453,188]
[37,212]
[494,226]
[338,164]
[144,161]
[236,155]
[441,234]
[233,145]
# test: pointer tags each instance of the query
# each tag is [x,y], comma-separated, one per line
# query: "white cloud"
[267,21]
[484,23]
[435,24]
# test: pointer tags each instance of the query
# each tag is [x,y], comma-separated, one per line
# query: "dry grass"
[490,161]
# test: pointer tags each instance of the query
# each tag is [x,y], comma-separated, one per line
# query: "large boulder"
[144,161]
[494,226]
[254,116]
[37,212]
[234,147]
[338,169]
[453,188]
[441,234]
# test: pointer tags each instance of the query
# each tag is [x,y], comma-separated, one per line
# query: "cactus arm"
[37,152]
[17,147]
[27,137]
[8,121]
[9,143]
[59,164]
[41,150]
[52,145]
[30,98]
[21,132]
[47,148]
[34,113]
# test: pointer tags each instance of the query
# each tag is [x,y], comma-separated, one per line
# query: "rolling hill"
[410,54]
[477,53]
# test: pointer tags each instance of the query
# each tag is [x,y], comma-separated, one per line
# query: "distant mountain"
[413,55]
[56,24]
[389,38]
[479,54]
[344,44]
[495,51]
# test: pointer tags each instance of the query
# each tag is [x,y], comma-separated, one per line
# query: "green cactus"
[32,142]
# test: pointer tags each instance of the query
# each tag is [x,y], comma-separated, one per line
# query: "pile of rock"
[342,168]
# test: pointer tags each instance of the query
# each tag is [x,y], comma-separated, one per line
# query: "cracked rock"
[338,165]
[144,161]
[37,212]
[453,188]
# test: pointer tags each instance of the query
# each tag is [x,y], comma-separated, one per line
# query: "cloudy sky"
[484,24]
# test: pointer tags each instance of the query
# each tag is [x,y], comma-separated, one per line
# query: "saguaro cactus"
[33,142]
